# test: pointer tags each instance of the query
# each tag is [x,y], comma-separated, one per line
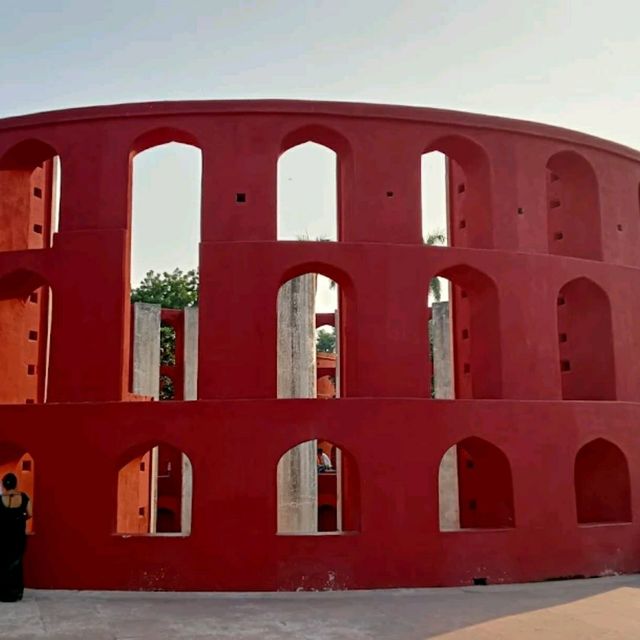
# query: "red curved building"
[544,261]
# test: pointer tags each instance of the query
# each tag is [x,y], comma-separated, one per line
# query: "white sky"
[570,63]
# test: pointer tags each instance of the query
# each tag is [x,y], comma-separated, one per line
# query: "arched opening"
[464,336]
[155,489]
[573,207]
[29,196]
[603,492]
[166,195]
[25,327]
[584,321]
[309,362]
[308,186]
[14,459]
[456,193]
[475,487]
[318,490]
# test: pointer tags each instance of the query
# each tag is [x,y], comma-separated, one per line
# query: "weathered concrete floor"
[604,608]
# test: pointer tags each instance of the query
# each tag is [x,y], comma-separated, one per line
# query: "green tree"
[326,341]
[175,290]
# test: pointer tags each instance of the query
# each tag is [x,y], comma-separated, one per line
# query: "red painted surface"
[174,318]
[504,257]
[485,486]
[602,483]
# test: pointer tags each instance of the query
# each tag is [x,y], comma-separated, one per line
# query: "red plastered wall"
[505,256]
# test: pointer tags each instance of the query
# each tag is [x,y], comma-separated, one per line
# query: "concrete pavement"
[602,608]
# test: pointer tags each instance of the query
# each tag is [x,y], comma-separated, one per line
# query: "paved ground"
[604,608]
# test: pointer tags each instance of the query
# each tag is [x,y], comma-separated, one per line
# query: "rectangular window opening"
[33,335]
[565,365]
[37,228]
[241,197]
[37,192]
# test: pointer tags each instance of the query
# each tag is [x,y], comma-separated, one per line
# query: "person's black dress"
[13,541]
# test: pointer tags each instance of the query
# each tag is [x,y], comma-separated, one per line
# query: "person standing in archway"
[15,510]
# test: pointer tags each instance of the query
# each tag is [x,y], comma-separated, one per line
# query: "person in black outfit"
[15,510]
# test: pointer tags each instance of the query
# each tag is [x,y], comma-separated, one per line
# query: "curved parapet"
[543,262]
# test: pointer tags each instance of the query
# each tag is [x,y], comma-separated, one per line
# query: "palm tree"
[435,238]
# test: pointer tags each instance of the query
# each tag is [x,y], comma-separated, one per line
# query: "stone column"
[190,362]
[187,496]
[146,381]
[444,389]
[339,503]
[146,350]
[191,353]
[297,471]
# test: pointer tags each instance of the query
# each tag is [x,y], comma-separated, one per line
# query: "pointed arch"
[468,188]
[475,487]
[310,169]
[165,177]
[160,136]
[29,184]
[573,206]
[305,290]
[319,134]
[155,489]
[474,332]
[584,318]
[601,475]
[315,497]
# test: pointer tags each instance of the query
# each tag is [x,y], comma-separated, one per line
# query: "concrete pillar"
[297,471]
[187,496]
[146,350]
[190,393]
[339,504]
[444,389]
[442,351]
[191,353]
[146,381]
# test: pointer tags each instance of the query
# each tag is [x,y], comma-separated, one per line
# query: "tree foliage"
[326,341]
[175,290]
